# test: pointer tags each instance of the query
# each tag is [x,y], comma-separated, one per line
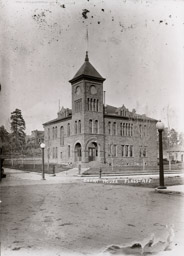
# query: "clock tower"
[87,107]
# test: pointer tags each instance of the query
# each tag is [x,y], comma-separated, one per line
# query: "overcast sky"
[138,46]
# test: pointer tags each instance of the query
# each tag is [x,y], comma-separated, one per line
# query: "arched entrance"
[92,151]
[78,152]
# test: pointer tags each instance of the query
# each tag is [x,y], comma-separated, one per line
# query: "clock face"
[93,89]
[77,90]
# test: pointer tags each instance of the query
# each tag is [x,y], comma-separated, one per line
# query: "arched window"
[68,129]
[97,105]
[79,126]
[94,105]
[96,127]
[88,108]
[90,126]
[91,104]
[61,135]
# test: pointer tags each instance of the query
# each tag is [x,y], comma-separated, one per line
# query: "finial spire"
[86,58]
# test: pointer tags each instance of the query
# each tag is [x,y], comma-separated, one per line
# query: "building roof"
[87,71]
[112,111]
[58,119]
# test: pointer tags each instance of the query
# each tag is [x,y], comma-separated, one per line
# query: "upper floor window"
[123,129]
[96,126]
[109,128]
[75,128]
[78,105]
[68,129]
[140,130]
[56,132]
[61,135]
[79,126]
[92,104]
[114,128]
[53,133]
[48,133]
[90,126]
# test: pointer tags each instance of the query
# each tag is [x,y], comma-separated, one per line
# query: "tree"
[181,139]
[173,137]
[18,127]
[4,139]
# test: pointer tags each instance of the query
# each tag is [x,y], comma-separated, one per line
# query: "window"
[94,105]
[115,150]
[90,126]
[122,150]
[56,132]
[131,151]
[53,133]
[109,128]
[68,151]
[144,131]
[96,127]
[145,152]
[114,128]
[68,129]
[79,126]
[61,135]
[53,153]
[140,130]
[140,151]
[56,152]
[123,129]
[48,153]
[75,128]
[78,105]
[48,133]
[126,150]
[131,132]
[128,129]
[61,155]
[97,105]
[90,105]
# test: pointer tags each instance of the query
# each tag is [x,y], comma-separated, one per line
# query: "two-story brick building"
[91,131]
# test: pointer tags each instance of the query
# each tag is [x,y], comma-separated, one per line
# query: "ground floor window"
[127,150]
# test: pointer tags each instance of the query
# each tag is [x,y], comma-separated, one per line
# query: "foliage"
[4,139]
[172,138]
[18,131]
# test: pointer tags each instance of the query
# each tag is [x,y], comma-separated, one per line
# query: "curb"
[170,192]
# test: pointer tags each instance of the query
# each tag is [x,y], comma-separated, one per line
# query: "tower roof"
[87,71]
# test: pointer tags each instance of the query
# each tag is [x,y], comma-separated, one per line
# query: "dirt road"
[58,219]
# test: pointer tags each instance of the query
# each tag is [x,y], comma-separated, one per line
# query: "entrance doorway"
[78,152]
[92,151]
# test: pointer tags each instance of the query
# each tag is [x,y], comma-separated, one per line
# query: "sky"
[137,45]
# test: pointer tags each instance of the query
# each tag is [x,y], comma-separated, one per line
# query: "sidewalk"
[19,178]
[179,189]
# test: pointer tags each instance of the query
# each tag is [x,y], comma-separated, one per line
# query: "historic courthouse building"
[92,132]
